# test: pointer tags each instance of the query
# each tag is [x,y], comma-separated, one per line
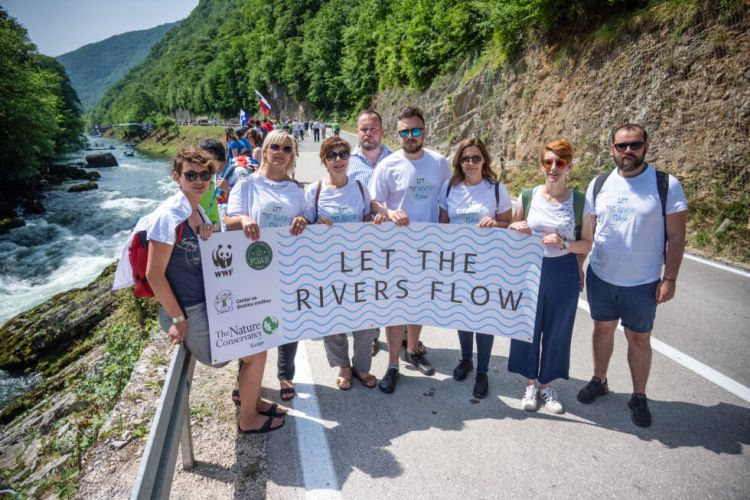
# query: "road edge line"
[692,364]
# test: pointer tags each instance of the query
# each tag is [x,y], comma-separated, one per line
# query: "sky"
[57,27]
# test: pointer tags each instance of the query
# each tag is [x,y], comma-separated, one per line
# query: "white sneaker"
[551,401]
[529,401]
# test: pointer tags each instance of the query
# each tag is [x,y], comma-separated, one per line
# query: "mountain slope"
[93,68]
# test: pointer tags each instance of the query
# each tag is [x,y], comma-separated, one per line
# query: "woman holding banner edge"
[174,272]
[248,209]
[338,199]
[554,212]
[473,196]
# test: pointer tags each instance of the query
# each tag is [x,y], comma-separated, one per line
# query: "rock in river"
[101,160]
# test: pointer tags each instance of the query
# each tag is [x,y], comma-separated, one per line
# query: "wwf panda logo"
[222,257]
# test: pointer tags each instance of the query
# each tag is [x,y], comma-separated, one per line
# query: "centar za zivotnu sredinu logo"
[222,257]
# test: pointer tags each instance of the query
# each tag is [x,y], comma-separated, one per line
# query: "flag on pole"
[265,107]
[243,117]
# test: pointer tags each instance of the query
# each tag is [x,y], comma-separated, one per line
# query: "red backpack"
[138,256]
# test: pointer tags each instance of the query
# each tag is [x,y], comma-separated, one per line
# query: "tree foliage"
[40,114]
[334,53]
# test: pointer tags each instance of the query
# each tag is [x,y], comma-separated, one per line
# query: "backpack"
[138,256]
[662,186]
[317,196]
[579,200]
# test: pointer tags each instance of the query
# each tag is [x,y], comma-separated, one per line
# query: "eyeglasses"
[192,175]
[559,162]
[276,147]
[471,159]
[634,146]
[332,155]
[415,132]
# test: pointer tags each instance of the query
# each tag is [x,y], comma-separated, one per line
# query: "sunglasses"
[192,175]
[559,162]
[634,146]
[415,132]
[332,155]
[471,159]
[277,147]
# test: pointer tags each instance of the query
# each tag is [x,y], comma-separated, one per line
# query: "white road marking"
[318,472]
[692,364]
[718,265]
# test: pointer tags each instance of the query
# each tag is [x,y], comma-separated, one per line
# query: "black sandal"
[236,397]
[266,427]
[273,412]
[287,391]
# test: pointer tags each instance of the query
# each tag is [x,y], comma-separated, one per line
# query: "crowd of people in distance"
[630,220]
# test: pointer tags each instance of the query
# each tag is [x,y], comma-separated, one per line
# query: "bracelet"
[669,279]
[178,319]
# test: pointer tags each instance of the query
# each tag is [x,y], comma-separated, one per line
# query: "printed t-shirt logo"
[421,190]
[275,214]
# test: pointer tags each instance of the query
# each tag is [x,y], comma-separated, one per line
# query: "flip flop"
[266,427]
[368,379]
[341,383]
[273,411]
[236,397]
[289,392]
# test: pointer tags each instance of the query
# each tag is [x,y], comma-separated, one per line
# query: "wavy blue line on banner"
[353,245]
[523,319]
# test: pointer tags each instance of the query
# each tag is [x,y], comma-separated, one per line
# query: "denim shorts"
[198,339]
[635,306]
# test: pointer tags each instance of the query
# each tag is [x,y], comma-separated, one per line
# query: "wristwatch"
[565,244]
[178,319]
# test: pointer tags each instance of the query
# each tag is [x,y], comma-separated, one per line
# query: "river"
[80,234]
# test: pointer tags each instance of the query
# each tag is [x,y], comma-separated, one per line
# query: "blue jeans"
[484,348]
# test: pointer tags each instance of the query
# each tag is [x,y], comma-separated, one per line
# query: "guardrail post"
[186,440]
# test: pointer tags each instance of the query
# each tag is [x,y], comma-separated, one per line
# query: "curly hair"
[192,156]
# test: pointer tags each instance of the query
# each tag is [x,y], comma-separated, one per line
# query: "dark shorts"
[635,306]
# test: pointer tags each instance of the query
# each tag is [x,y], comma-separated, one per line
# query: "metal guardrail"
[170,430]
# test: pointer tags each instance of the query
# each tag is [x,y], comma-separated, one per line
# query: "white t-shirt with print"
[411,185]
[344,204]
[269,203]
[467,204]
[629,239]
[546,217]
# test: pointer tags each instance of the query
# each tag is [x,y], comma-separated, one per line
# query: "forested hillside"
[40,115]
[93,68]
[516,73]
[335,54]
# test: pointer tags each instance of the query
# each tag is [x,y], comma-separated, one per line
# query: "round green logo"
[270,324]
[259,255]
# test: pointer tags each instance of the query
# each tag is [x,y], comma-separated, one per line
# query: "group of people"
[632,220]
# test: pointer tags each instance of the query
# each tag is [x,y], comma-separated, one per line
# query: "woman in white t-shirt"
[337,199]
[550,211]
[473,196]
[271,198]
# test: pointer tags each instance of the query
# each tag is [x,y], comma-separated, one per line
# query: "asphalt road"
[431,439]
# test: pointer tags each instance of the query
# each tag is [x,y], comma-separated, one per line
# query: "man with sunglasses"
[638,216]
[404,188]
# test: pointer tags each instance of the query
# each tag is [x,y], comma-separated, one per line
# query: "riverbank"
[168,142]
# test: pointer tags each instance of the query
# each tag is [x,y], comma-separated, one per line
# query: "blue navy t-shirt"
[184,270]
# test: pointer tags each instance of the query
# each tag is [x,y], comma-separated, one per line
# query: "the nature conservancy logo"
[222,258]
[270,324]
[259,255]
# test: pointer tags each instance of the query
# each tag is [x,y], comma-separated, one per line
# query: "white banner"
[354,276]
